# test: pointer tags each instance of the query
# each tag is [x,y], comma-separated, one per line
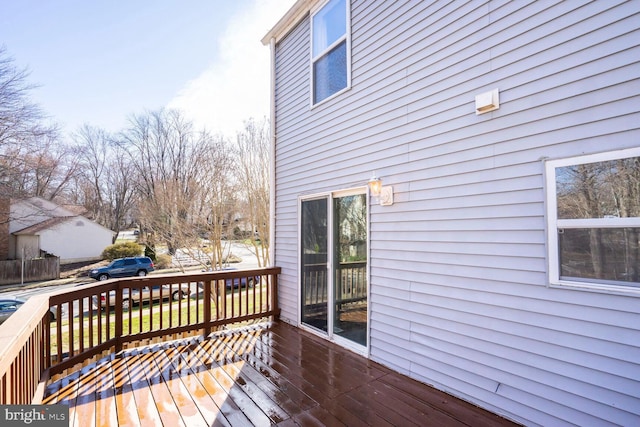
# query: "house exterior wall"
[25,213]
[29,245]
[76,240]
[4,228]
[459,295]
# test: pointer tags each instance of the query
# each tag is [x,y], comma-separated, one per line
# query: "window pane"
[330,73]
[350,267]
[314,264]
[329,24]
[609,189]
[600,253]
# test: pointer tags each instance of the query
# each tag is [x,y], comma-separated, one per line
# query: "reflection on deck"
[264,374]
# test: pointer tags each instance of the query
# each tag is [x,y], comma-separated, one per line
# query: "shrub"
[150,252]
[163,261]
[121,250]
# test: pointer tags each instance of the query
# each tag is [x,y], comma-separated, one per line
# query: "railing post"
[274,294]
[117,333]
[206,330]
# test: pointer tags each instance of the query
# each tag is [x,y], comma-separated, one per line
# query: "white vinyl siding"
[459,286]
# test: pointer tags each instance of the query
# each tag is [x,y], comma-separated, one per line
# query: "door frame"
[329,196]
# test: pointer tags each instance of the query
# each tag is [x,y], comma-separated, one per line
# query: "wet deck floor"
[273,374]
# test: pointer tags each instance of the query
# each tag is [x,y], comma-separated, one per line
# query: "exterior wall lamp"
[384,194]
[375,185]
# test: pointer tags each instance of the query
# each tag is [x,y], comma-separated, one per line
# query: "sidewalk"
[42,284]
[84,278]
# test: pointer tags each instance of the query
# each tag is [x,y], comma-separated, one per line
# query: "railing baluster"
[38,350]
[81,324]
[91,317]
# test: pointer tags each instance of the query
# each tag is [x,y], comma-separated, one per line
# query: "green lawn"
[145,318]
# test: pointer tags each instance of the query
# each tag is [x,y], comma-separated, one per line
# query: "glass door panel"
[314,259]
[350,268]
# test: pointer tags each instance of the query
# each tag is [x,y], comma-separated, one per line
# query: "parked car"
[123,267]
[8,306]
[148,294]
[238,281]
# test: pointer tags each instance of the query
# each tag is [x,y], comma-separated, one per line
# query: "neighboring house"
[501,261]
[38,227]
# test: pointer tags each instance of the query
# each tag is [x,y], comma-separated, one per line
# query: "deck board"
[161,394]
[146,410]
[105,395]
[85,401]
[127,412]
[270,374]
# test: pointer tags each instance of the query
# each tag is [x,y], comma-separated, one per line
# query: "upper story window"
[330,50]
[594,220]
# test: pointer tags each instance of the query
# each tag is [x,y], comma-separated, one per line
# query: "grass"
[190,312]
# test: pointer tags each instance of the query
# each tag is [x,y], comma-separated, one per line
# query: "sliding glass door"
[334,266]
[314,258]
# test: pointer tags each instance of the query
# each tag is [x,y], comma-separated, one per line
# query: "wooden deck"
[263,375]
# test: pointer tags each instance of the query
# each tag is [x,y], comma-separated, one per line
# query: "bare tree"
[252,170]
[49,168]
[219,201]
[108,190]
[181,180]
[608,189]
[21,125]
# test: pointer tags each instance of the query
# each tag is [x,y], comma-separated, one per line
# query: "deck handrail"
[96,321]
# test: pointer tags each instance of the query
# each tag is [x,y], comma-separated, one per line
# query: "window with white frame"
[329,50]
[594,220]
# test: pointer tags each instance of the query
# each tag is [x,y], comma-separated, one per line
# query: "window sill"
[596,287]
[329,98]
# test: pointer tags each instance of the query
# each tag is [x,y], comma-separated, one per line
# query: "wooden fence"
[34,270]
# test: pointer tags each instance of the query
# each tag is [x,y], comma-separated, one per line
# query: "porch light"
[384,194]
[375,185]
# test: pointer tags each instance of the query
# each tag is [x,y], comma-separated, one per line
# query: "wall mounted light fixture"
[384,194]
[375,185]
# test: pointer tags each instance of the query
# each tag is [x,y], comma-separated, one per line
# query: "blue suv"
[123,267]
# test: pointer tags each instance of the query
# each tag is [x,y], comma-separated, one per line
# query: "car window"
[145,260]
[8,305]
[118,263]
[129,262]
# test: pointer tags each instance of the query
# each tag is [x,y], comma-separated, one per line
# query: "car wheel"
[178,295]
[142,273]
[126,304]
[52,317]
[103,277]
[250,282]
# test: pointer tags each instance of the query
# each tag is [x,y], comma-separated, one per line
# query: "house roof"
[44,225]
[300,9]
[76,209]
[57,214]
[47,206]
[52,222]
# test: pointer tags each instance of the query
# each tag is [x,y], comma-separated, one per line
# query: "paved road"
[30,290]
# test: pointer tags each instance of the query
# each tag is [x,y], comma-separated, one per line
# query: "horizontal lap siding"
[292,101]
[458,263]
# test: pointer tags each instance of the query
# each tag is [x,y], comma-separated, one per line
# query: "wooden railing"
[350,283]
[106,317]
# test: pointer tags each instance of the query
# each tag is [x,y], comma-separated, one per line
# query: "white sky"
[99,61]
